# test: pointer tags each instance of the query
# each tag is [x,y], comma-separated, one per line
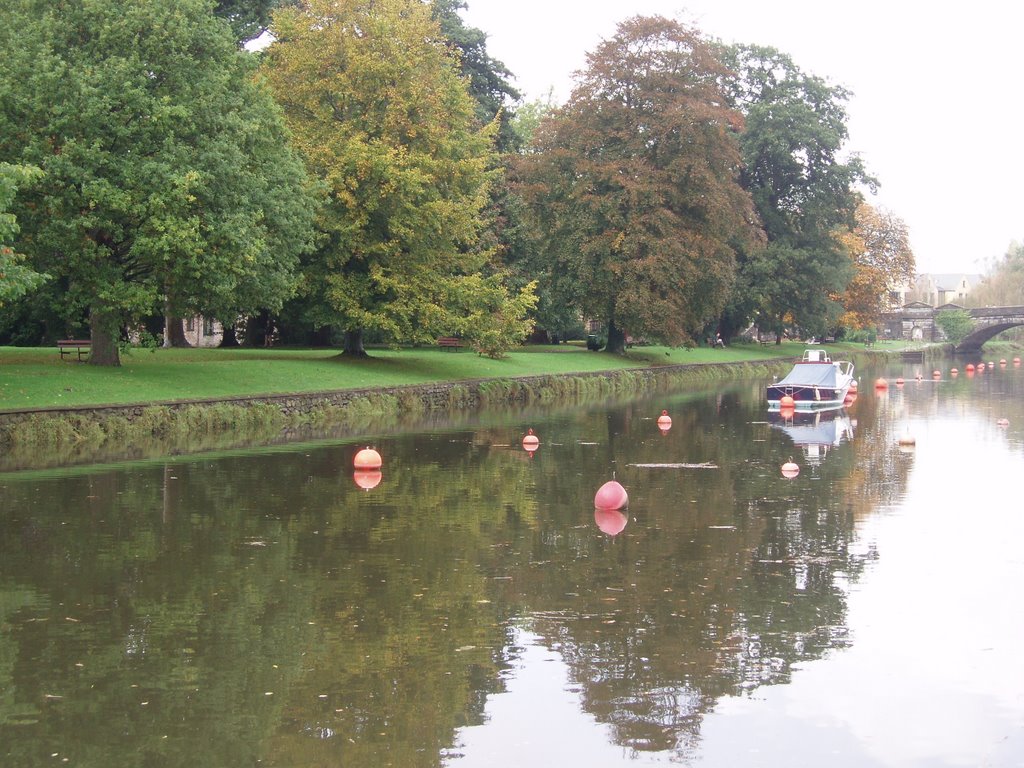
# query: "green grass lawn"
[38,378]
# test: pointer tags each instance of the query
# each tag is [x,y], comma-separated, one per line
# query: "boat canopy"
[825,375]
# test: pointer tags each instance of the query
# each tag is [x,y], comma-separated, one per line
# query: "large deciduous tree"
[373,95]
[634,185]
[879,247]
[806,195]
[166,169]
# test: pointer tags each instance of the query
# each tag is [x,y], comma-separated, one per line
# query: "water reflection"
[814,432]
[268,607]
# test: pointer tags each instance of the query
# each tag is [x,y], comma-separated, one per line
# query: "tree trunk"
[259,329]
[174,332]
[616,339]
[354,344]
[103,332]
[229,339]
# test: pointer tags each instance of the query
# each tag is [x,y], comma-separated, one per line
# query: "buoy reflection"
[610,521]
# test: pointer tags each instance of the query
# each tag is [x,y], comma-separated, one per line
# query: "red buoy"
[970,368]
[1003,422]
[1016,361]
[790,469]
[881,383]
[665,421]
[367,479]
[367,459]
[953,371]
[786,401]
[611,495]
[899,382]
[531,441]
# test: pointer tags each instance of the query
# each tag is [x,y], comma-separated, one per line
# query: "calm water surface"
[472,608]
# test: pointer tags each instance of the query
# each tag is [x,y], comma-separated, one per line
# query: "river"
[469,607]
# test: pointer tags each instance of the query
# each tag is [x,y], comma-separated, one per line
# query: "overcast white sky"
[937,104]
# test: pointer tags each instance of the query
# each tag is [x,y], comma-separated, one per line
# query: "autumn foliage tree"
[634,186]
[373,96]
[879,247]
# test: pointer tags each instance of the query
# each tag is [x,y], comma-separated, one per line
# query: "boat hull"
[807,397]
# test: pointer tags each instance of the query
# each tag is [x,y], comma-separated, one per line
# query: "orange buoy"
[610,521]
[1002,363]
[786,401]
[611,495]
[881,383]
[530,441]
[1016,361]
[1003,422]
[953,371]
[970,368]
[899,382]
[980,368]
[907,440]
[367,459]
[790,469]
[936,374]
[367,479]
[665,421]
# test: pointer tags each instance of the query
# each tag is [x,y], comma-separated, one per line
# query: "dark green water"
[261,609]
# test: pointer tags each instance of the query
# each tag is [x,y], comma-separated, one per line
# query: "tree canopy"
[634,185]
[1004,283]
[167,174]
[806,195]
[15,277]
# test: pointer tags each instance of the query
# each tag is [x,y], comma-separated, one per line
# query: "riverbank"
[319,394]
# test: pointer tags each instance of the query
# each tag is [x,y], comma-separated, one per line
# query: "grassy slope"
[37,378]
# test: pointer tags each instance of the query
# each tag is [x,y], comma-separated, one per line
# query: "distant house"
[939,289]
[203,331]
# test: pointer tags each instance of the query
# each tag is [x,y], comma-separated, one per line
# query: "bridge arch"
[973,341]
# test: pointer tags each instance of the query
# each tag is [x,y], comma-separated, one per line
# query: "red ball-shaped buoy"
[970,368]
[1003,422]
[664,421]
[610,521]
[367,459]
[899,382]
[953,371]
[367,478]
[881,383]
[790,469]
[611,495]
[786,401]
[936,374]
[1002,363]
[530,441]
[1016,361]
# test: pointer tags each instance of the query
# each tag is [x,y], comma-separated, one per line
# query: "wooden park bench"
[70,346]
[766,342]
[449,342]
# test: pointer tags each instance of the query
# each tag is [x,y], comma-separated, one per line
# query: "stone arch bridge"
[916,321]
